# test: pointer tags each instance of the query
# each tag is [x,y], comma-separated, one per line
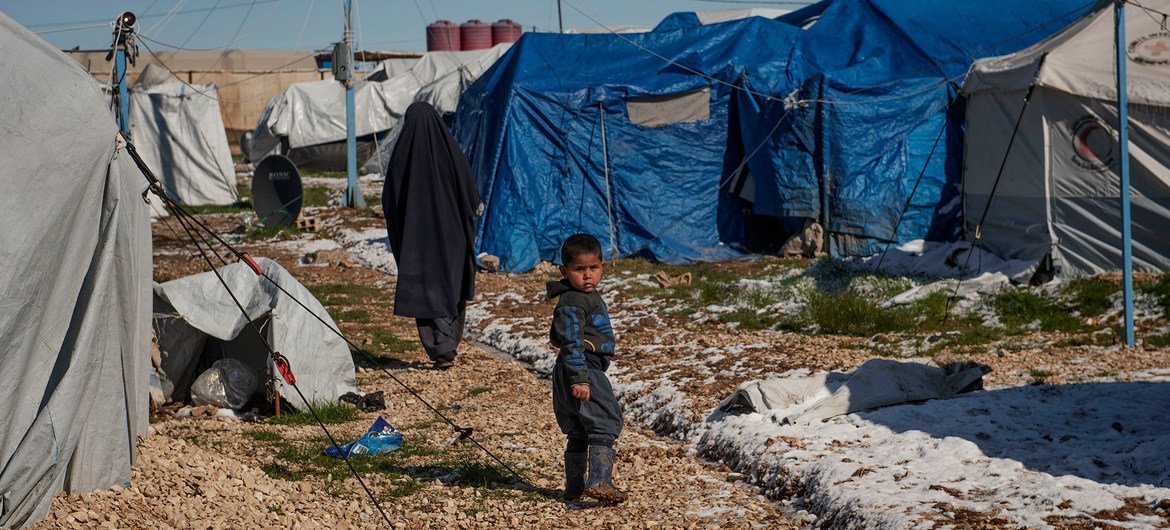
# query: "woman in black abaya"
[430,202]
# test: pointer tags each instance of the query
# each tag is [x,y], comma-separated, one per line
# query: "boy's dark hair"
[579,245]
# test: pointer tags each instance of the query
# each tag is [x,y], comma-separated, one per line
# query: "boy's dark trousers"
[594,422]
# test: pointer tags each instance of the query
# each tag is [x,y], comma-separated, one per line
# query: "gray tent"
[197,322]
[178,130]
[75,272]
[1060,190]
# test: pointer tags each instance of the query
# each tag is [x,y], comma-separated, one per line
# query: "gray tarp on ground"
[319,358]
[1060,190]
[179,132]
[803,399]
[75,272]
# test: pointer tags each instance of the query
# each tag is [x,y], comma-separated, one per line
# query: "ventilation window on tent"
[659,111]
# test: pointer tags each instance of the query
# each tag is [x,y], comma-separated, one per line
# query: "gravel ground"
[221,473]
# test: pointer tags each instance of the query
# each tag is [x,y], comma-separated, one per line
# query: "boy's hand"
[581,391]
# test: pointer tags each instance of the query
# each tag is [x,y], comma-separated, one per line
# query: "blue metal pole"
[123,110]
[1123,140]
[353,193]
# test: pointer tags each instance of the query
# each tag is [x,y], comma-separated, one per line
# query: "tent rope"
[155,186]
[189,224]
[608,193]
[914,190]
[995,186]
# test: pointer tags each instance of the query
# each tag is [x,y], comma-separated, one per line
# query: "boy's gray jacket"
[581,330]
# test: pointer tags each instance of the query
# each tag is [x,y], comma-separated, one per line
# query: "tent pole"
[353,194]
[560,18]
[1123,140]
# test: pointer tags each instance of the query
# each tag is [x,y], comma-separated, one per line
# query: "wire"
[155,186]
[73,28]
[305,24]
[201,22]
[189,222]
[159,60]
[1146,9]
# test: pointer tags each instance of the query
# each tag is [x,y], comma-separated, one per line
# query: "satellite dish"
[276,191]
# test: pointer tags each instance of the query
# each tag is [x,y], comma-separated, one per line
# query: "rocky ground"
[226,473]
[676,364]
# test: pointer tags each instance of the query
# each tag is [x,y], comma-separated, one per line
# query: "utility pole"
[343,72]
[1123,141]
[560,19]
[123,42]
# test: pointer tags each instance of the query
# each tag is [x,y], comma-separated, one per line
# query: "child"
[583,401]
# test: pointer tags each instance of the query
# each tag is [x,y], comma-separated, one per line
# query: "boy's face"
[584,272]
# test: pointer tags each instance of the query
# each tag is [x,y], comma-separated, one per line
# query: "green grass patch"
[315,196]
[478,390]
[400,486]
[387,341]
[1159,288]
[360,316]
[236,207]
[264,436]
[1157,341]
[1021,310]
[281,472]
[338,294]
[1090,296]
[329,174]
[328,413]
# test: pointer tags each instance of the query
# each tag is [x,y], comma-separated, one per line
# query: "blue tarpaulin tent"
[640,139]
[878,121]
[584,133]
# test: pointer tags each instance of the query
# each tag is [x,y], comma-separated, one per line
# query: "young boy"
[583,401]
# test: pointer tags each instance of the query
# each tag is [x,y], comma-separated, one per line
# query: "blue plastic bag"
[380,439]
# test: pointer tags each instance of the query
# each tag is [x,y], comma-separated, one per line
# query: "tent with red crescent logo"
[1059,194]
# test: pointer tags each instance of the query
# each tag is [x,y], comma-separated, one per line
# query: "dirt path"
[216,473]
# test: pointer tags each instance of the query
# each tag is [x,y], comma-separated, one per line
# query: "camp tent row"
[177,128]
[700,141]
[1058,196]
[307,121]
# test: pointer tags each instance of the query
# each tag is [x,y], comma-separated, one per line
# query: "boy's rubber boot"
[600,484]
[574,475]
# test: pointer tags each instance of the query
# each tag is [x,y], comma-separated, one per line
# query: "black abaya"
[430,202]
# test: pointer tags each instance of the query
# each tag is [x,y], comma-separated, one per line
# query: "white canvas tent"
[1060,190]
[307,121]
[179,132]
[75,272]
[197,321]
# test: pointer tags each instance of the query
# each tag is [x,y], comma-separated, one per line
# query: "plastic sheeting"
[879,87]
[532,127]
[807,399]
[1060,192]
[308,114]
[837,124]
[319,358]
[179,132]
[75,272]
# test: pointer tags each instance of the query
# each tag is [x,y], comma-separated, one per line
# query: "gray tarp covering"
[179,132]
[1060,190]
[805,399]
[319,358]
[75,271]
[309,114]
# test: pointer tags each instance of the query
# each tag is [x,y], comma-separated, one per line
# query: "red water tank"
[505,31]
[475,35]
[443,36]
